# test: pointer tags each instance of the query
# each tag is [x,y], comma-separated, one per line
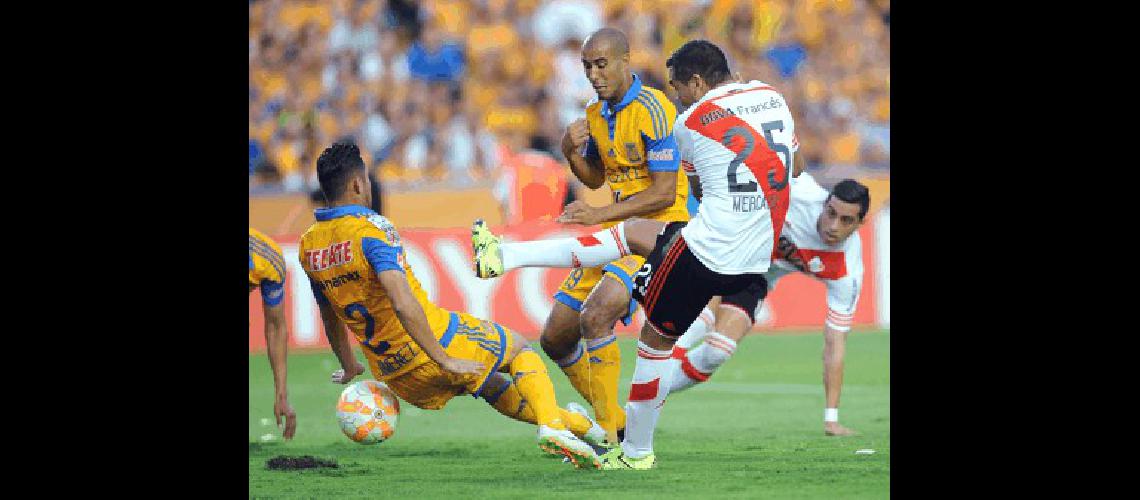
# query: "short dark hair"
[337,164]
[699,57]
[851,191]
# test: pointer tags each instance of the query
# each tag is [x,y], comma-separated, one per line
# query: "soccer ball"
[367,412]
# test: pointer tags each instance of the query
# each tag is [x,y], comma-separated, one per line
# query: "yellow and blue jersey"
[266,268]
[634,138]
[342,253]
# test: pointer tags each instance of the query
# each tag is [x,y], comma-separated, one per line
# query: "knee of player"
[555,346]
[598,320]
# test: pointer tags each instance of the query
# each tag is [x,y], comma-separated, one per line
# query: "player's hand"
[459,366]
[343,376]
[578,212]
[281,409]
[834,429]
[577,133]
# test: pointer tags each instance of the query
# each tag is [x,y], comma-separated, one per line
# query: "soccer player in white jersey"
[819,239]
[737,143]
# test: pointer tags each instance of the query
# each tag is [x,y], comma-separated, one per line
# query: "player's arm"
[685,149]
[842,297]
[798,161]
[411,316]
[277,348]
[337,335]
[589,168]
[663,162]
[385,261]
[658,196]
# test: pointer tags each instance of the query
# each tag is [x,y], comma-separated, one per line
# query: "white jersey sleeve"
[843,293]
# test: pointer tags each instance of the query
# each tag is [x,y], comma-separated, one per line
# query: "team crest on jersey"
[389,230]
[631,152]
[815,265]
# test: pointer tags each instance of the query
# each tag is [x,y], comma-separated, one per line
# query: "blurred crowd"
[438,92]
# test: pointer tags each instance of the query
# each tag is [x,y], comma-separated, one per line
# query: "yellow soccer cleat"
[564,442]
[488,255]
[617,460]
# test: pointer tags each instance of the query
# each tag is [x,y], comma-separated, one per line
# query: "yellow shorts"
[581,281]
[429,387]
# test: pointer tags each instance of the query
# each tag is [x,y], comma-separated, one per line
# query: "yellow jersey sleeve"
[266,267]
[655,116]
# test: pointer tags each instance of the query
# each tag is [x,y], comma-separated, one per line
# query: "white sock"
[697,330]
[714,352]
[647,393]
[697,365]
[683,377]
[595,250]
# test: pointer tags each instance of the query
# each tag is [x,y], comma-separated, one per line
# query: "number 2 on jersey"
[369,327]
[749,145]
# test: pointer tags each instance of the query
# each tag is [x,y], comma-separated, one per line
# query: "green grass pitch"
[755,430]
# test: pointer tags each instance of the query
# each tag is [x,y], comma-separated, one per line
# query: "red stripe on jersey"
[679,352]
[834,263]
[761,161]
[644,392]
[589,241]
[692,371]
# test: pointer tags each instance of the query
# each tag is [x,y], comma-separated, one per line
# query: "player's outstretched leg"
[493,257]
[504,396]
[534,385]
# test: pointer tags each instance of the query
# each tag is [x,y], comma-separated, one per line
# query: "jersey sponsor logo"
[631,152]
[714,115]
[339,280]
[337,254]
[661,155]
[772,103]
[626,174]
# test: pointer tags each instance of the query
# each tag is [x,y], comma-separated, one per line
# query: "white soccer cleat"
[596,436]
[566,443]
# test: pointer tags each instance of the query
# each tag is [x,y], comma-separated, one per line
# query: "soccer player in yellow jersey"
[267,271]
[426,354]
[628,139]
